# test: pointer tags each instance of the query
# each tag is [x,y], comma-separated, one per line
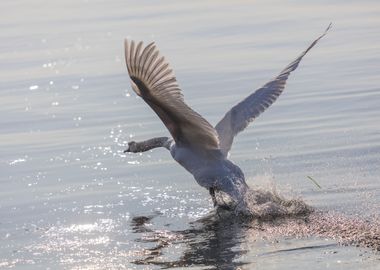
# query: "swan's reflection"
[212,241]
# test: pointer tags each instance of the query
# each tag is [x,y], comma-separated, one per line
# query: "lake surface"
[69,197]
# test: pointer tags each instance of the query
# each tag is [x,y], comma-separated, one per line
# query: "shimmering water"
[71,200]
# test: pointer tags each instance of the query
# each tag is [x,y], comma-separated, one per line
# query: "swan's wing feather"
[154,81]
[238,118]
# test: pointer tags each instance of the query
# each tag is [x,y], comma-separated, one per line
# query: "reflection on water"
[211,241]
[219,239]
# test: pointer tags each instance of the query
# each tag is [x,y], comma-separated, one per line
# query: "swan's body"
[212,171]
[200,148]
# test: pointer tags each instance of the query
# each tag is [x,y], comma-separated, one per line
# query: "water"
[71,200]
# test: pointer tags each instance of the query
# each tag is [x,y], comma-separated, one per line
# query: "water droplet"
[17,161]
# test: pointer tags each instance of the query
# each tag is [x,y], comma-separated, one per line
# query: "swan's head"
[132,147]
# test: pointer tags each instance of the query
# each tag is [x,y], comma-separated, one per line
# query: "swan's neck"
[150,144]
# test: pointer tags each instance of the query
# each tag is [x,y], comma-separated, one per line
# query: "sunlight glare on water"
[70,197]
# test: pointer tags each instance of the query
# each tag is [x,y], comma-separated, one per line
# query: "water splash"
[270,204]
[269,212]
[217,239]
[263,204]
[345,230]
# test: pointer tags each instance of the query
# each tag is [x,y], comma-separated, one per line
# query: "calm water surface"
[70,199]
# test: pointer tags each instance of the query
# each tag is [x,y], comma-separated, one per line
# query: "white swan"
[199,147]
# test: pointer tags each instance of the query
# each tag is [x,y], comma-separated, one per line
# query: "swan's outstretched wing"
[251,107]
[154,81]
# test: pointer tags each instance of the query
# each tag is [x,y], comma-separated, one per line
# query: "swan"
[195,144]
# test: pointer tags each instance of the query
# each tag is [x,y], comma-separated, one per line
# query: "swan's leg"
[212,193]
[137,147]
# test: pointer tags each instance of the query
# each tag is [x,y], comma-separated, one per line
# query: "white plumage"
[197,145]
